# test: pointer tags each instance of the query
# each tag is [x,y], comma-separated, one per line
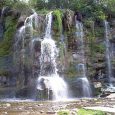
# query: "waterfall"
[26,30]
[32,21]
[108,53]
[23,46]
[48,27]
[63,51]
[86,89]
[49,79]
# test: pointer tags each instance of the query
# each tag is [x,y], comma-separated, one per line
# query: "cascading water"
[26,31]
[108,53]
[24,36]
[31,25]
[49,79]
[86,89]
[108,48]
[62,51]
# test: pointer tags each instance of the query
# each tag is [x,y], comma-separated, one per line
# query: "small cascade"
[108,53]
[86,89]
[108,50]
[26,31]
[49,80]
[63,51]
[23,47]
[31,25]
[2,12]
[32,21]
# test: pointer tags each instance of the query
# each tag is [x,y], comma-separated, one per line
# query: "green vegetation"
[82,112]
[99,48]
[63,112]
[61,51]
[10,24]
[90,112]
[108,4]
[6,44]
[58,20]
[22,7]
[71,71]
[4,73]
[89,8]
[6,3]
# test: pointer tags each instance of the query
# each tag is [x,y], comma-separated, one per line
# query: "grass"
[64,112]
[90,112]
[82,112]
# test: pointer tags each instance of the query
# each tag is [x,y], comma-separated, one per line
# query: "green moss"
[71,71]
[58,20]
[99,48]
[62,50]
[6,3]
[82,112]
[90,112]
[100,15]
[92,38]
[99,32]
[88,22]
[4,73]
[64,112]
[43,11]
[6,44]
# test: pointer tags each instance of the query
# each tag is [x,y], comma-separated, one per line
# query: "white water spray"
[49,78]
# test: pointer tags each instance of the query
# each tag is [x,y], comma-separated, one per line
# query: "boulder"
[68,19]
[97,84]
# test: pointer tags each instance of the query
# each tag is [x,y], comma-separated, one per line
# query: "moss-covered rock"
[57,20]
[68,20]
[6,44]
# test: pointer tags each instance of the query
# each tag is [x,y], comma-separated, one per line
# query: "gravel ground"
[50,108]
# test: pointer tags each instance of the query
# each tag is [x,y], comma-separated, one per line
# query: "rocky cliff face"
[8,21]
[23,71]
